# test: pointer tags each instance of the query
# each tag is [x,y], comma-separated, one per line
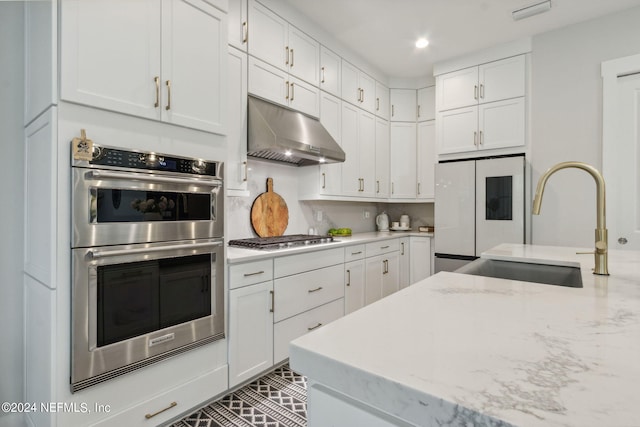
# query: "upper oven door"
[114,207]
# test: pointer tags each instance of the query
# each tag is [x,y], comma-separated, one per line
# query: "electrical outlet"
[366,214]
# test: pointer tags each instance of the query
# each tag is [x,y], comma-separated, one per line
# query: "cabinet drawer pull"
[314,327]
[322,69]
[244,32]
[356,253]
[315,290]
[254,274]
[348,277]
[273,302]
[157,81]
[171,405]
[168,107]
[384,247]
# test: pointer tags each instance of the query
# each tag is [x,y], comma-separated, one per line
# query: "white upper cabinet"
[489,82]
[502,79]
[329,71]
[457,89]
[276,85]
[426,155]
[403,160]
[427,103]
[236,170]
[358,143]
[238,24]
[483,107]
[403,105]
[274,40]
[383,151]
[304,56]
[147,69]
[331,117]
[382,101]
[194,33]
[358,88]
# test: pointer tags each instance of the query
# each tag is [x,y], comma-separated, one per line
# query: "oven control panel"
[118,158]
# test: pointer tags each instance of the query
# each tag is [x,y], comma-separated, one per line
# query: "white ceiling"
[384,32]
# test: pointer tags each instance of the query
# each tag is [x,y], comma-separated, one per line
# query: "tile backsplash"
[321,215]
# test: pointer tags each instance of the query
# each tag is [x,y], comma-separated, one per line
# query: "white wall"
[567,120]
[11,222]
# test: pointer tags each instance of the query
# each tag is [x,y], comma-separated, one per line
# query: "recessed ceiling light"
[422,43]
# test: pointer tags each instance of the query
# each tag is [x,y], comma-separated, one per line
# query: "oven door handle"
[98,253]
[151,178]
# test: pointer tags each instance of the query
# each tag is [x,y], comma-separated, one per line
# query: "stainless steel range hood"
[279,134]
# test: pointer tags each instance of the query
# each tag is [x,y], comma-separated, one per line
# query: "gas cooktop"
[281,242]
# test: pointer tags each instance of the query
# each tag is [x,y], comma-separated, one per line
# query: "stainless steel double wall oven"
[148,260]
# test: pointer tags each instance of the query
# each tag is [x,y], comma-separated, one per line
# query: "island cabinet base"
[327,407]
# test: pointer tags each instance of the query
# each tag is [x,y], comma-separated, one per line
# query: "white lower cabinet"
[250,331]
[404,278]
[287,330]
[382,276]
[420,253]
[354,278]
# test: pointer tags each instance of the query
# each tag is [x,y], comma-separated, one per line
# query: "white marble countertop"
[238,255]
[458,349]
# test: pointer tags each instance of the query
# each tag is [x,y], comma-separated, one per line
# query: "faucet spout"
[601,238]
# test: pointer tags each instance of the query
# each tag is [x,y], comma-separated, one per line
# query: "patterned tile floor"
[278,399]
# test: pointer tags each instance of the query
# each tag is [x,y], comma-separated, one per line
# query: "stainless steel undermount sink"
[526,272]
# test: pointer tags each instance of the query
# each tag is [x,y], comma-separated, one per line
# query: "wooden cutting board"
[269,213]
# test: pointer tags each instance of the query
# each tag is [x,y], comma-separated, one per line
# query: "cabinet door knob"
[475,92]
[245,33]
[286,54]
[322,81]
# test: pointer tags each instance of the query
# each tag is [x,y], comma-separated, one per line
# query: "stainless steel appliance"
[478,204]
[147,260]
[281,242]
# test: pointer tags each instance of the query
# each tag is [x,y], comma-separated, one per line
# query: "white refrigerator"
[478,204]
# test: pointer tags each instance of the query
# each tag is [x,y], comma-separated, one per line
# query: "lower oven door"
[136,304]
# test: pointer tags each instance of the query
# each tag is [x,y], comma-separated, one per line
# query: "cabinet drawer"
[353,253]
[382,247]
[250,273]
[294,264]
[287,330]
[295,294]
[172,403]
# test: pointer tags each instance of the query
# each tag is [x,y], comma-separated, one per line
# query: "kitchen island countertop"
[456,349]
[238,255]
